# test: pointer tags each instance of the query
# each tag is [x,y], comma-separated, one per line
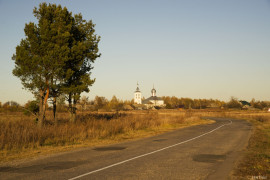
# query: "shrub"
[31,107]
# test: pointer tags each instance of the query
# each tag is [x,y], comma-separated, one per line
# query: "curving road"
[199,152]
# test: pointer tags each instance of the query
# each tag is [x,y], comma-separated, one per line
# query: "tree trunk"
[42,106]
[72,109]
[41,110]
[54,111]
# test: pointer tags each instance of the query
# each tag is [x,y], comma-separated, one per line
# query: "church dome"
[153,91]
[137,89]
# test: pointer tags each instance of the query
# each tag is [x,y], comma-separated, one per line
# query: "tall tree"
[56,56]
[41,57]
[83,52]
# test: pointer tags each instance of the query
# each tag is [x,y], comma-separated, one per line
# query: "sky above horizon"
[197,49]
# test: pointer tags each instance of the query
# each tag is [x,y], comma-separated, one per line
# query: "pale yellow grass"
[134,126]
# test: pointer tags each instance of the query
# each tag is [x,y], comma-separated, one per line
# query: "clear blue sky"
[186,48]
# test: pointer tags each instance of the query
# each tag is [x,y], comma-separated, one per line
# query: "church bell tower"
[137,95]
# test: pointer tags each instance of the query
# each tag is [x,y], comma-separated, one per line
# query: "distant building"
[152,102]
[244,103]
[137,95]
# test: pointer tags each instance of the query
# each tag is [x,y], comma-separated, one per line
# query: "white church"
[151,102]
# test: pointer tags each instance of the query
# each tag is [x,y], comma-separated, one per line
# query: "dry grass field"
[20,137]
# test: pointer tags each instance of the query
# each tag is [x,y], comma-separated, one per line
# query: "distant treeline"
[115,104]
[188,103]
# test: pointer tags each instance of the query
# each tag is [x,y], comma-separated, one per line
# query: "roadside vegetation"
[256,161]
[19,136]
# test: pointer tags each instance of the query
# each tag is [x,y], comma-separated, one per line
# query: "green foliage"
[41,56]
[57,54]
[84,51]
[31,107]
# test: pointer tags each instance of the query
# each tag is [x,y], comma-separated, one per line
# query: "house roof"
[245,103]
[152,98]
[127,107]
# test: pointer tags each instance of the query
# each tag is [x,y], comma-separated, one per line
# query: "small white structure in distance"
[151,102]
[137,95]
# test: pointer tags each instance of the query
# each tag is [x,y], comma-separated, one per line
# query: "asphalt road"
[199,152]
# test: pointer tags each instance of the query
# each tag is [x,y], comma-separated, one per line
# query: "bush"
[31,107]
[234,103]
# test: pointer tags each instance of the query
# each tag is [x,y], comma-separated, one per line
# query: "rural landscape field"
[134,89]
[21,139]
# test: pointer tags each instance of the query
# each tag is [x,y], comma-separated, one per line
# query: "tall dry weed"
[22,133]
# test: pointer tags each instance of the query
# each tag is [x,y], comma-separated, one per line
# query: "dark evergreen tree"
[56,56]
[84,51]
